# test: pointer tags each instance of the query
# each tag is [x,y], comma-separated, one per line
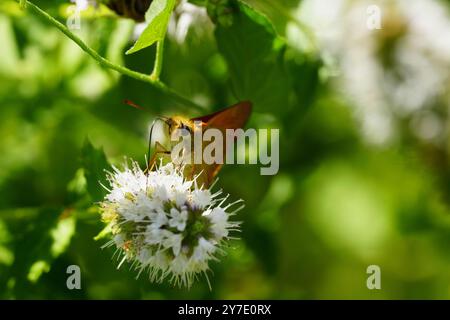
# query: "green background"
[337,205]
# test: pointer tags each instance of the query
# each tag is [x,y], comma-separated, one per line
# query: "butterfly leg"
[159,149]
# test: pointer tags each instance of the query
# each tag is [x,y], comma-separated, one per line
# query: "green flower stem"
[154,81]
[158,60]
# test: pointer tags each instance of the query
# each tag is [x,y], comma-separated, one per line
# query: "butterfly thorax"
[182,123]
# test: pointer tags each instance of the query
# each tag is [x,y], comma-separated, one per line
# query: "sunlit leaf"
[37,269]
[157,17]
[105,232]
[6,255]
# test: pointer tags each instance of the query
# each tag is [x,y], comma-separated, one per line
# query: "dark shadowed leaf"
[40,236]
[94,163]
[254,52]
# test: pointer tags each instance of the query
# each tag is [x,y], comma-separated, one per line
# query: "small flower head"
[84,4]
[164,223]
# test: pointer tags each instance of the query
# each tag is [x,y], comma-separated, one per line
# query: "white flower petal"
[178,219]
[201,198]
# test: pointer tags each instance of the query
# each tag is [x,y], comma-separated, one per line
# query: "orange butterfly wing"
[233,117]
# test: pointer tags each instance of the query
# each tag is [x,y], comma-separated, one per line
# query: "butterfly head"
[179,123]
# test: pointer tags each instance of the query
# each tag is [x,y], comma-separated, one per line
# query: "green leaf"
[94,163]
[106,231]
[254,54]
[157,17]
[220,11]
[60,236]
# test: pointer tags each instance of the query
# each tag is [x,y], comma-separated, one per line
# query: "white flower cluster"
[165,223]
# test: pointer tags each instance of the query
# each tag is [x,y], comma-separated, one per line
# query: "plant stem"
[158,60]
[155,82]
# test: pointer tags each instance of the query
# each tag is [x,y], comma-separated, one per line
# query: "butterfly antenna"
[134,105]
[150,143]
[160,118]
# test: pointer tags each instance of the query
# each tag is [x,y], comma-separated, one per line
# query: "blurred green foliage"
[337,205]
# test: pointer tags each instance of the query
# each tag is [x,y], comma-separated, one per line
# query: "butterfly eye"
[185,127]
